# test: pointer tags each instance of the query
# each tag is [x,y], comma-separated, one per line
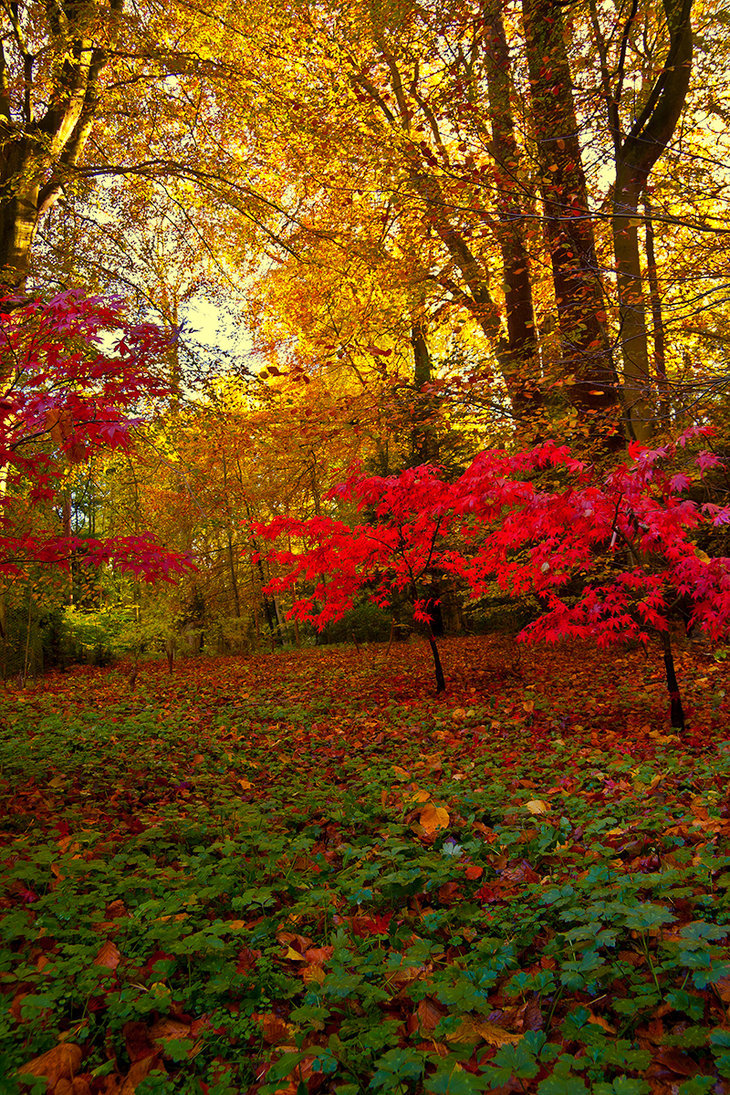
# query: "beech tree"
[52,55]
[471,138]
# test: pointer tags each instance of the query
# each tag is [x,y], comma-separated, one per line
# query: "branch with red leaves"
[63,396]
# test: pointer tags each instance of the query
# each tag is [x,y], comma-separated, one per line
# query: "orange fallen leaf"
[430,1014]
[275,1030]
[599,1021]
[139,1071]
[77,1086]
[313,973]
[59,1063]
[319,955]
[108,956]
[473,1029]
[433,818]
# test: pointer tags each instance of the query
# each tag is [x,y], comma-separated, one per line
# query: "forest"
[364,564]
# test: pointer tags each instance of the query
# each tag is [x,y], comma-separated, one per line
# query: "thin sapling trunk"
[676,711]
[439,669]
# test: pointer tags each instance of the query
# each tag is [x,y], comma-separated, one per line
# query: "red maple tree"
[73,373]
[610,556]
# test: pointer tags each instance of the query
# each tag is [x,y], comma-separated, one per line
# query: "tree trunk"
[657,321]
[46,123]
[521,332]
[424,437]
[587,365]
[676,712]
[439,670]
[636,155]
[525,395]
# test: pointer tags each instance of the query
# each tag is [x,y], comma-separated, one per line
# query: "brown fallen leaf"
[77,1086]
[474,1029]
[599,1021]
[170,1030]
[115,910]
[166,1029]
[275,1030]
[139,1071]
[109,956]
[430,1014]
[676,1060]
[59,1063]
[318,956]
[137,1040]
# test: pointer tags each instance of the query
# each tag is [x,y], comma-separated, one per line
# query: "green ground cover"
[303,873]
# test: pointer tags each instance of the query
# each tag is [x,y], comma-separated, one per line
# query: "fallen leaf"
[167,1029]
[537,806]
[473,1029]
[599,1021]
[137,1040]
[294,956]
[429,1014]
[139,1071]
[433,818]
[77,1086]
[319,955]
[108,956]
[59,1063]
[275,1030]
[313,973]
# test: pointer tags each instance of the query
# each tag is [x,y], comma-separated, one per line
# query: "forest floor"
[304,872]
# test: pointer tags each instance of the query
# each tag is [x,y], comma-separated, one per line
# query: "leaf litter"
[248,878]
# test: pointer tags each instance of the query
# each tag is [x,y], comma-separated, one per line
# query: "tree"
[638,141]
[609,556]
[397,552]
[65,397]
[52,55]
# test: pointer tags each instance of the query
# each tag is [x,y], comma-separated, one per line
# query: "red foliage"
[64,395]
[609,555]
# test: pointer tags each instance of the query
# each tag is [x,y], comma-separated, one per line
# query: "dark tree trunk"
[676,712]
[521,332]
[45,125]
[424,436]
[636,155]
[440,680]
[657,321]
[587,364]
